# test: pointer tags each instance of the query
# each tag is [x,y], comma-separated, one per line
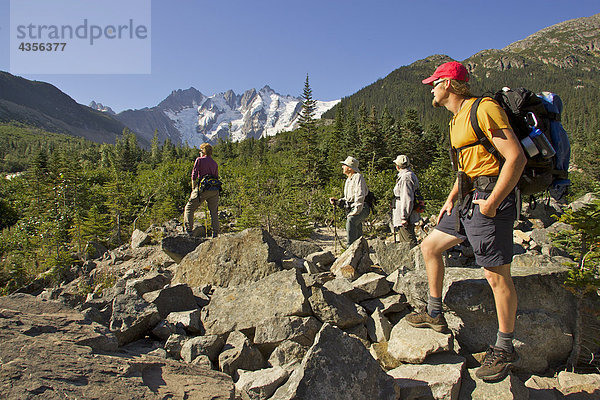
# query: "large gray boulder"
[173,298]
[370,286]
[261,384]
[297,248]
[139,238]
[132,317]
[48,350]
[247,306]
[357,256]
[231,260]
[271,332]
[189,321]
[571,383]
[392,303]
[335,309]
[149,283]
[322,260]
[178,246]
[288,352]
[337,366]
[240,353]
[209,346]
[393,256]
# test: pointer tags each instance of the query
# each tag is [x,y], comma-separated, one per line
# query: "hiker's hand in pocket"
[446,208]
[486,208]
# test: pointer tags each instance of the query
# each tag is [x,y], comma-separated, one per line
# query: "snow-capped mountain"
[101,107]
[189,116]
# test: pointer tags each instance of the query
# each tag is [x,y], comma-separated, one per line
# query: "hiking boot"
[422,319]
[496,364]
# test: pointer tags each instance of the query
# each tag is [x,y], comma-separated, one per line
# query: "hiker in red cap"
[480,208]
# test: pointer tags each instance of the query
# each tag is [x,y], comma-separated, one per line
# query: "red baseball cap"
[452,70]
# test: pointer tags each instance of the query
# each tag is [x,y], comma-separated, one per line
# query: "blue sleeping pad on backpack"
[560,142]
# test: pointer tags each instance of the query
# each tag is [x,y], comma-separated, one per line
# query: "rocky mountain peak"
[248,97]
[101,107]
[179,99]
[231,98]
[568,44]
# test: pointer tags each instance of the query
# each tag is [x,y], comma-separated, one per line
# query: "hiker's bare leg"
[432,248]
[505,296]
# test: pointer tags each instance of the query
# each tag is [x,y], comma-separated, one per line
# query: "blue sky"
[344,45]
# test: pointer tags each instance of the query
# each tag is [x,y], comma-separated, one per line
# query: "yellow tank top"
[476,160]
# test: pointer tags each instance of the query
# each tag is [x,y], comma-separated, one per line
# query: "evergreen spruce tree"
[363,135]
[126,151]
[308,156]
[96,225]
[335,142]
[388,128]
[155,154]
[411,143]
[373,146]
[351,139]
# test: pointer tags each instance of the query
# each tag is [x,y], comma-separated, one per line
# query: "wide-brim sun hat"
[450,70]
[402,161]
[351,162]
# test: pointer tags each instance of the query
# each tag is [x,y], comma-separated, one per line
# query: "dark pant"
[491,238]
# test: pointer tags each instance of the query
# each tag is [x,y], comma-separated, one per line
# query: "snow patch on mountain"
[191,117]
[186,122]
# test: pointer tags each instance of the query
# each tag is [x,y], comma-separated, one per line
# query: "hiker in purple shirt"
[203,166]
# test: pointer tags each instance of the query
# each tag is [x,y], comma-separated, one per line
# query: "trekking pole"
[206,220]
[334,232]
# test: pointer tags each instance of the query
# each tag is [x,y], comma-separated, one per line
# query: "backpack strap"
[481,137]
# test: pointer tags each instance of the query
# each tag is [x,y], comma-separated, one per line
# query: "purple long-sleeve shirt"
[204,166]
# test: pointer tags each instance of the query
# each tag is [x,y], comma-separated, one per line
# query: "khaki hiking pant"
[407,234]
[212,200]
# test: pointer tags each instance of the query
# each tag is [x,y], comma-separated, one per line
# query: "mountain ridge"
[564,58]
[188,116]
[43,105]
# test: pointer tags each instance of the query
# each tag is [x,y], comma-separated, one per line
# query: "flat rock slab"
[49,351]
[412,345]
[231,260]
[438,378]
[510,388]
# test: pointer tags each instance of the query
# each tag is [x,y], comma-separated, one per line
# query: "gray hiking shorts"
[491,238]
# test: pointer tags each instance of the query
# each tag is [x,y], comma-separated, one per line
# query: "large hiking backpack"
[371,199]
[535,119]
[419,203]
